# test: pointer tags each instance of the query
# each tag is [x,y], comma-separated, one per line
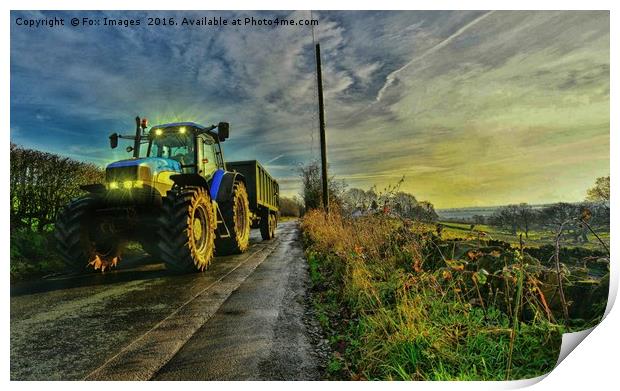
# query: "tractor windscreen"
[174,143]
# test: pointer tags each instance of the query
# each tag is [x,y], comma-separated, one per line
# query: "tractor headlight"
[125,185]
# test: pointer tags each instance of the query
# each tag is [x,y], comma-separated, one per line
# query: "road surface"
[248,317]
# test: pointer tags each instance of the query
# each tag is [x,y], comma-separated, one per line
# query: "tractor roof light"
[127,184]
[113,185]
[158,132]
[182,130]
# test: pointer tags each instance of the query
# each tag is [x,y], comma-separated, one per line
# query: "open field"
[535,238]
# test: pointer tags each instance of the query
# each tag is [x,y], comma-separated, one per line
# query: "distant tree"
[599,196]
[558,213]
[291,207]
[426,212]
[566,215]
[405,204]
[358,199]
[526,216]
[312,190]
[507,217]
[478,219]
[600,214]
[600,191]
[354,198]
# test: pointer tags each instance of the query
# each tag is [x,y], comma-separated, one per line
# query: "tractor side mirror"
[114,140]
[223,130]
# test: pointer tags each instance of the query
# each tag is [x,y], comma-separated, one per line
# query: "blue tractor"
[176,196]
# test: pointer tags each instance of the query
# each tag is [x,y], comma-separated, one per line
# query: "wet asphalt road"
[247,317]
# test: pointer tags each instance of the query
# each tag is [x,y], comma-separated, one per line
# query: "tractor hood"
[156,164]
[140,169]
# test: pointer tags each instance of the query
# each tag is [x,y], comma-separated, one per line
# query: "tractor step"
[221,230]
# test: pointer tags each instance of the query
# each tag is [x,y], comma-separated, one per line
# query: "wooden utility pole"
[319,81]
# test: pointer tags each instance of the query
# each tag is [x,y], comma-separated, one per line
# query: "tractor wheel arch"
[224,185]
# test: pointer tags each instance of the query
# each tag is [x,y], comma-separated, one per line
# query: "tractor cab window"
[175,145]
[209,161]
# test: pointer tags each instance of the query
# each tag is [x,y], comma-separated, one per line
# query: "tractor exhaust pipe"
[137,139]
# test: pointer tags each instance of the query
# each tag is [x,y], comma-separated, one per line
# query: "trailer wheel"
[236,214]
[268,226]
[79,242]
[274,225]
[187,229]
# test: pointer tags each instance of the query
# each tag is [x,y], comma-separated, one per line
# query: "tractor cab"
[196,148]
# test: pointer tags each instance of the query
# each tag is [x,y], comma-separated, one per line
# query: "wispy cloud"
[392,76]
[275,158]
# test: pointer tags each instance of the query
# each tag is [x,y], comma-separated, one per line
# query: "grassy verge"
[400,303]
[32,255]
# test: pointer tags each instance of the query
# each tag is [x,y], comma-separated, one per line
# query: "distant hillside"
[466,213]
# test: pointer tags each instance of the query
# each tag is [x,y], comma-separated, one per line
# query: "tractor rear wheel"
[268,226]
[236,214]
[81,242]
[187,229]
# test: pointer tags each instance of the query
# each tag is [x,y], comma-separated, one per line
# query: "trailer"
[263,195]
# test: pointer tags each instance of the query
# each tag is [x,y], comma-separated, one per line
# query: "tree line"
[391,200]
[594,210]
[356,202]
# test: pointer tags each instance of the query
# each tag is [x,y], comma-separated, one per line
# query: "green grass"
[32,255]
[422,335]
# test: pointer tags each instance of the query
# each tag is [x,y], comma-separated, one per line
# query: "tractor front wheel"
[187,229]
[81,238]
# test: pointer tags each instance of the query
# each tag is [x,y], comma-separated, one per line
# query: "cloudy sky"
[473,108]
